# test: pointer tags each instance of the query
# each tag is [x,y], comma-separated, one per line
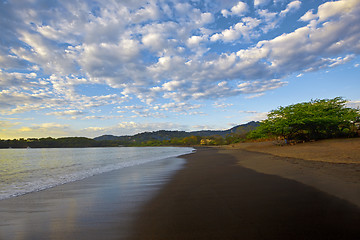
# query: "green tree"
[316,119]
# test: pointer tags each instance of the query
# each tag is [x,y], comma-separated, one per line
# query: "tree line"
[80,142]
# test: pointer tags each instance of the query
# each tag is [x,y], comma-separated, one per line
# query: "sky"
[89,68]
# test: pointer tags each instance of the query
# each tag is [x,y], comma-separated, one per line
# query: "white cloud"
[259,86]
[292,6]
[194,41]
[222,105]
[160,53]
[242,29]
[336,8]
[255,95]
[259,3]
[353,104]
[259,116]
[149,12]
[72,113]
[154,41]
[239,10]
[309,15]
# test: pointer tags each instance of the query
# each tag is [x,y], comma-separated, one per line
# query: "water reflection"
[87,208]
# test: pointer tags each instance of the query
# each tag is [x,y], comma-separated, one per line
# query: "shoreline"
[209,194]
[98,207]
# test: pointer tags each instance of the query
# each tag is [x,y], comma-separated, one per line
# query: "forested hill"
[158,138]
[167,135]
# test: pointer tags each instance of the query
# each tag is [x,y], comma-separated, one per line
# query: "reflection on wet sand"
[88,208]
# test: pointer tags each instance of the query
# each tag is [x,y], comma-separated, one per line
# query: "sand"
[214,197]
[332,165]
[331,150]
[214,194]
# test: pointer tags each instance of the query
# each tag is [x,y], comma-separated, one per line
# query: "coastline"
[209,194]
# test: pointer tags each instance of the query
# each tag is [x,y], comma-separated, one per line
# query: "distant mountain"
[167,135]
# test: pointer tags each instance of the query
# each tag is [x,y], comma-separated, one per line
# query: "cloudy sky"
[88,68]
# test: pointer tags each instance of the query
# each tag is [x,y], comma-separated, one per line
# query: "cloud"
[256,116]
[335,9]
[73,114]
[292,6]
[255,95]
[353,104]
[222,105]
[7,124]
[238,10]
[242,29]
[260,87]
[160,53]
[38,130]
[259,3]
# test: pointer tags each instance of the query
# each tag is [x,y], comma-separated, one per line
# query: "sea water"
[29,170]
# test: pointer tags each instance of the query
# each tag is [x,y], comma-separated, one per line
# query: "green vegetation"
[49,142]
[317,119]
[157,138]
[75,142]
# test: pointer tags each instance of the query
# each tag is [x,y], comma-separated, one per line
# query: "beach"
[214,197]
[215,193]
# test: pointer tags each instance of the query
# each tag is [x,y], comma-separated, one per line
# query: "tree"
[316,119]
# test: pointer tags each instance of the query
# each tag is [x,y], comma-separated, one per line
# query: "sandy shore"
[214,194]
[214,197]
[331,150]
[332,165]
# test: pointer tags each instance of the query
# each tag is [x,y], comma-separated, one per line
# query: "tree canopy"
[312,120]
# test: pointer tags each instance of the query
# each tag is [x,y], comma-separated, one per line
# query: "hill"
[168,135]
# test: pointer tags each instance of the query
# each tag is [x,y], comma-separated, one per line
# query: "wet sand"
[214,197]
[99,207]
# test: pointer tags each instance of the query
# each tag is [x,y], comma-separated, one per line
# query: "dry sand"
[332,166]
[330,150]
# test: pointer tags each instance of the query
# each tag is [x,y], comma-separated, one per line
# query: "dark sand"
[211,197]
[214,197]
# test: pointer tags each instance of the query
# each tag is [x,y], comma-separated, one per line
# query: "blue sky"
[88,68]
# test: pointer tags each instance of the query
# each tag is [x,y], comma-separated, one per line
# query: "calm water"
[28,170]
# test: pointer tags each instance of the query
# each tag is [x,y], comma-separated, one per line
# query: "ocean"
[30,170]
